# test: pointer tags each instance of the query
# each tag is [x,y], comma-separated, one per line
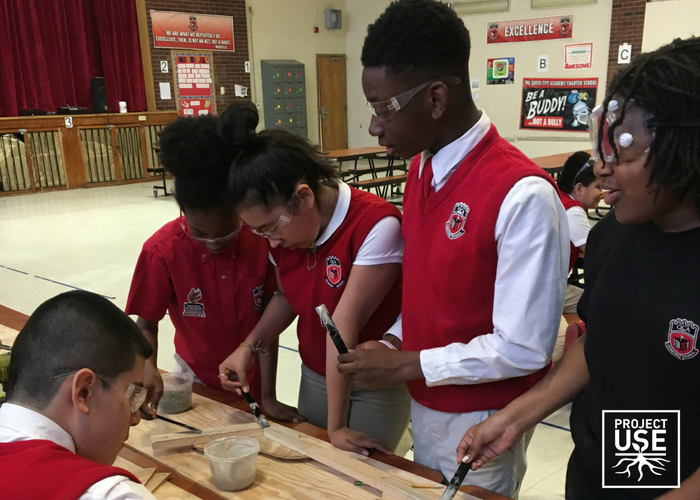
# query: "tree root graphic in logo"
[640,460]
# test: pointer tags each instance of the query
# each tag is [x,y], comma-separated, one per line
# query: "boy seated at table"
[75,386]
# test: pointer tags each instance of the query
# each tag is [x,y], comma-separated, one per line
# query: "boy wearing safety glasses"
[486,244]
[75,387]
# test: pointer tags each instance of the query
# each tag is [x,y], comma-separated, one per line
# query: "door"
[332,102]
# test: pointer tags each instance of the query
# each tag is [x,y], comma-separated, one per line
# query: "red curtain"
[50,49]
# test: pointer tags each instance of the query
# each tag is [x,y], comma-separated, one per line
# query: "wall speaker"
[99,95]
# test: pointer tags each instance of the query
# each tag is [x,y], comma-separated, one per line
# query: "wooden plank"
[168,491]
[177,440]
[156,481]
[351,464]
[309,480]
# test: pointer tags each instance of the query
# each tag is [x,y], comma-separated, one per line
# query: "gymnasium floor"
[90,239]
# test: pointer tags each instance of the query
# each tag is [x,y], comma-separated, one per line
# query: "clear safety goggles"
[632,138]
[385,110]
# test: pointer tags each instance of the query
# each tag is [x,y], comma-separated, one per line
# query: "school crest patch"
[258,292]
[193,23]
[334,273]
[192,306]
[682,338]
[454,227]
[565,26]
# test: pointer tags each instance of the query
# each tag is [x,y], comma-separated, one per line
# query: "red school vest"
[568,203]
[449,267]
[42,469]
[324,284]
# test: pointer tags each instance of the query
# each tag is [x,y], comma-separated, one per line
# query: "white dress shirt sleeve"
[533,255]
[383,244]
[117,488]
[396,329]
[579,226]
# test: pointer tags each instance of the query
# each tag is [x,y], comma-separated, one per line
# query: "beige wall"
[284,29]
[666,20]
[501,102]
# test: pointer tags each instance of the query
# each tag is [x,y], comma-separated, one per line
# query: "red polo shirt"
[214,300]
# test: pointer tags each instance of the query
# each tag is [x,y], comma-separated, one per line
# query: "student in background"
[75,387]
[579,191]
[212,278]
[641,304]
[486,244]
[331,244]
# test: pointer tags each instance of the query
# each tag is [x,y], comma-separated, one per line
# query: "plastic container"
[232,461]
[177,393]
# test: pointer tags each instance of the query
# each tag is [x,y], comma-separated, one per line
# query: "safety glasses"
[135,394]
[385,110]
[284,220]
[632,138]
[207,241]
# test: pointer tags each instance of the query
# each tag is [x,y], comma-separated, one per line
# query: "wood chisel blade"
[456,481]
[255,408]
[188,427]
[332,329]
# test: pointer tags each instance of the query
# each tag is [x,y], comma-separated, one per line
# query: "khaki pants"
[435,438]
[382,414]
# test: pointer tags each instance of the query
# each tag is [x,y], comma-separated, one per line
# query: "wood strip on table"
[15,321]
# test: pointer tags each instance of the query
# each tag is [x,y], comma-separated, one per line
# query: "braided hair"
[664,82]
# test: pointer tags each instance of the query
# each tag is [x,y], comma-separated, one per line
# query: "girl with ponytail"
[330,244]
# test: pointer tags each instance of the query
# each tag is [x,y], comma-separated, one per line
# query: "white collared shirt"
[383,244]
[579,225]
[533,255]
[22,424]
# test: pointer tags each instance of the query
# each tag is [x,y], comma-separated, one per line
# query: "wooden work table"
[213,404]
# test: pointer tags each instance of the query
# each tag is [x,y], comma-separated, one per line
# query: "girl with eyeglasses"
[331,244]
[638,361]
[212,278]
[579,191]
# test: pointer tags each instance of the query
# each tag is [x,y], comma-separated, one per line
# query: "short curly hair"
[418,35]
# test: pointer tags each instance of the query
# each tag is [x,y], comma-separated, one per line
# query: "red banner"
[177,30]
[546,28]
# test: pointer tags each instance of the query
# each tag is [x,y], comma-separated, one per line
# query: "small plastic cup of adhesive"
[177,393]
[232,461]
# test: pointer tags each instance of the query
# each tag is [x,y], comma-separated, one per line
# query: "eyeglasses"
[589,164]
[135,394]
[208,241]
[282,223]
[385,110]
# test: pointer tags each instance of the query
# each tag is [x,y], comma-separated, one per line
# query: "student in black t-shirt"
[642,298]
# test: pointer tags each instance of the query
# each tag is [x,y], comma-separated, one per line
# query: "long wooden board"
[276,479]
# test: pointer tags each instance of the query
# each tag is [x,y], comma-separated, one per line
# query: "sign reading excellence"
[546,28]
[176,30]
[557,103]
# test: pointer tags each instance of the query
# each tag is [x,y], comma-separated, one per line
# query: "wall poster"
[557,103]
[500,71]
[193,73]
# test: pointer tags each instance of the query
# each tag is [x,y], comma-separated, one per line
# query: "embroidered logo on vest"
[192,306]
[682,338]
[334,273]
[258,296]
[454,227]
